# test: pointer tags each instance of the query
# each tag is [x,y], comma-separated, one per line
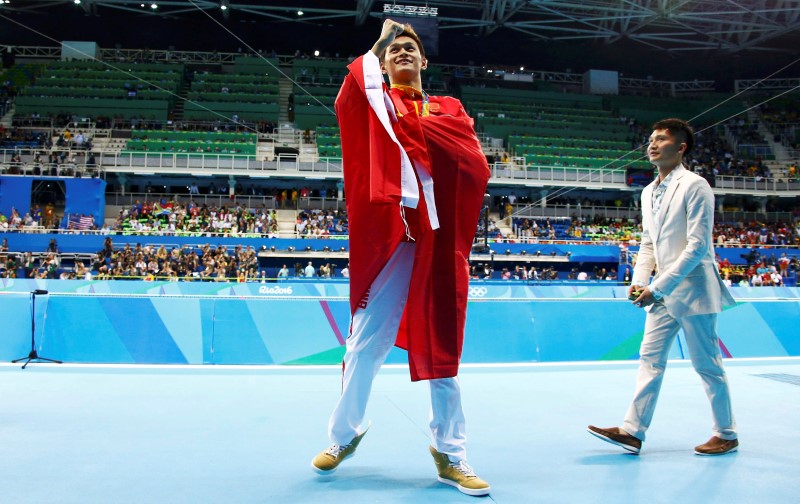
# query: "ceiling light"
[299,13]
[154,5]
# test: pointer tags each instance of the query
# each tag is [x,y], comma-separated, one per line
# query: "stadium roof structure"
[663,39]
[669,25]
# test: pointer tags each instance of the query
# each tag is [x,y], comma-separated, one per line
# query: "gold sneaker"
[327,461]
[459,474]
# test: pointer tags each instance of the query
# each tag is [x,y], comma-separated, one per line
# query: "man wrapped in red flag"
[415,177]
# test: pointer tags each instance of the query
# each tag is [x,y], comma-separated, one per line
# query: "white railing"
[252,201]
[292,165]
[749,185]
[565,175]
[202,165]
[570,211]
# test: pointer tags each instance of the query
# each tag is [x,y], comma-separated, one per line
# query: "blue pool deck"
[246,434]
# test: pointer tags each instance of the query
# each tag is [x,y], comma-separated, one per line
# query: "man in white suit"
[686,292]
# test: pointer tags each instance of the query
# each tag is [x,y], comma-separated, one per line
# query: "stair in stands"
[8,118]
[285,86]
[180,102]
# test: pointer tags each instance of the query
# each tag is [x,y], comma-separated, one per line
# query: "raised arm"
[390,30]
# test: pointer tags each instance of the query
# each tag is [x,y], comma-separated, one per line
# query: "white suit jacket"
[678,245]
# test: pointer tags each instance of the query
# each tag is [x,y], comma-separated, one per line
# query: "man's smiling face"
[403,61]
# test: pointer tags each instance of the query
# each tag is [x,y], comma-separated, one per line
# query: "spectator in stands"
[686,293]
[3,252]
[325,270]
[783,264]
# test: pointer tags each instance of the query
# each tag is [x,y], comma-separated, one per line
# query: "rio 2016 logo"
[477,291]
[274,290]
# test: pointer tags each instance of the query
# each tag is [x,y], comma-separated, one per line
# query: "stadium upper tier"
[551,135]
[250,96]
[92,89]
[193,142]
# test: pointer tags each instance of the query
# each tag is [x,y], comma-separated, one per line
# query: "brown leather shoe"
[617,436]
[717,446]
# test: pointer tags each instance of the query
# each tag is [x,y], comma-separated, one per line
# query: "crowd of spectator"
[139,262]
[756,234]
[37,217]
[171,217]
[598,229]
[758,267]
[321,223]
[712,156]
[761,270]
[208,263]
[67,120]
[23,138]
[607,231]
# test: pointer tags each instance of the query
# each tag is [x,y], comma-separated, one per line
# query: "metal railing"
[330,168]
[579,211]
[253,201]
[204,165]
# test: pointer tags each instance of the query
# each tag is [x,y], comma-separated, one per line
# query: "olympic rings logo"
[477,291]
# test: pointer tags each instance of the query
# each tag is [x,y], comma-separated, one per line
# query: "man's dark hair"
[680,129]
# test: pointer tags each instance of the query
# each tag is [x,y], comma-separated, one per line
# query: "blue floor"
[89,434]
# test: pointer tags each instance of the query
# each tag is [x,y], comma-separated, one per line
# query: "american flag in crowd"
[80,222]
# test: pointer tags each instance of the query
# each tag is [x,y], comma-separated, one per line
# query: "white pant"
[701,337]
[372,335]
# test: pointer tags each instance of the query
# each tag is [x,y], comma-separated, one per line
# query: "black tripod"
[34,356]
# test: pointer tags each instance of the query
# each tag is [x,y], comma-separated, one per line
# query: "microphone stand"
[34,355]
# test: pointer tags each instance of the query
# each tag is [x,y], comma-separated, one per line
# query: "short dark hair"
[408,31]
[680,129]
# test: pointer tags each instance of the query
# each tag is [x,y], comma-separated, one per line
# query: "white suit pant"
[372,334]
[703,344]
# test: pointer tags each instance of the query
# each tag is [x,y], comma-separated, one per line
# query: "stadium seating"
[329,143]
[250,96]
[93,89]
[200,142]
